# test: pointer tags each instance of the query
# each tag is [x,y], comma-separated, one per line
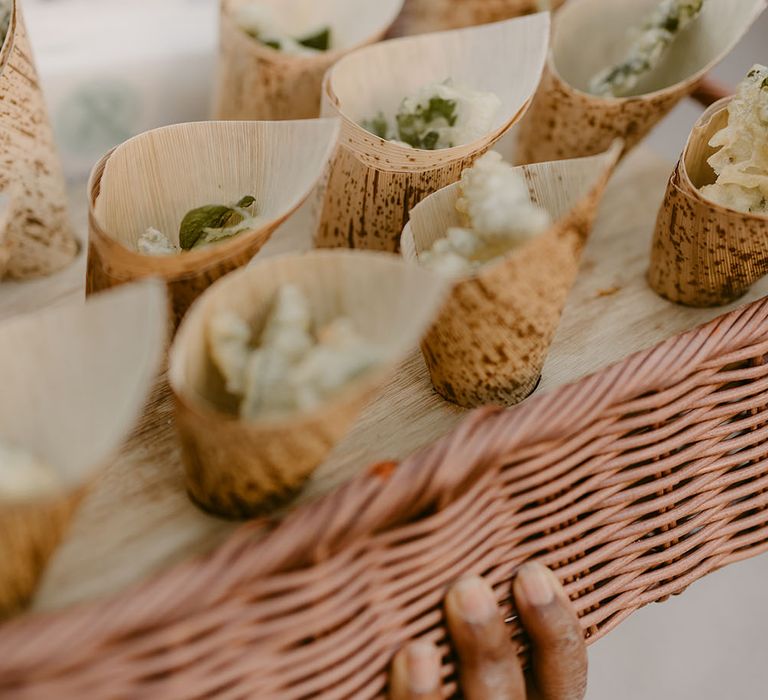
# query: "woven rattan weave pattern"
[631,483]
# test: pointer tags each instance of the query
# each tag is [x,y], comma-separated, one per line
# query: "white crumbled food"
[291,367]
[647,48]
[154,242]
[261,22]
[741,163]
[499,216]
[23,476]
[439,115]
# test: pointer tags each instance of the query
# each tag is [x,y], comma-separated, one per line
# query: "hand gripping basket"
[631,484]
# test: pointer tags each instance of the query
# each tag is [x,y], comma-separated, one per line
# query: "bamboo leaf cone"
[373,183]
[239,468]
[38,239]
[704,254]
[155,178]
[74,381]
[565,121]
[490,340]
[258,82]
[423,16]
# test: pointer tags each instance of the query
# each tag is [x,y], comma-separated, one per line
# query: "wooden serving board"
[137,520]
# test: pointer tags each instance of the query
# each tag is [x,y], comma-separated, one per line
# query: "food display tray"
[637,466]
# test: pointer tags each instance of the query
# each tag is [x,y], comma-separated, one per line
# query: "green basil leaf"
[246,201]
[320,41]
[193,223]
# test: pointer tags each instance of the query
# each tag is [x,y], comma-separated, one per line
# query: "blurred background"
[113,68]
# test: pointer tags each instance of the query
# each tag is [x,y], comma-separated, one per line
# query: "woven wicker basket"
[631,484]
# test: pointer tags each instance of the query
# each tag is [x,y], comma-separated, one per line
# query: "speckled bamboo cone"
[374,183]
[238,468]
[704,254]
[423,16]
[74,380]
[257,82]
[565,121]
[155,178]
[38,239]
[492,336]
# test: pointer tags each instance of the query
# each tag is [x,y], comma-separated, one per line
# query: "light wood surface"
[138,520]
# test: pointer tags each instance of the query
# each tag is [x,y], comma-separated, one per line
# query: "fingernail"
[537,584]
[423,667]
[475,600]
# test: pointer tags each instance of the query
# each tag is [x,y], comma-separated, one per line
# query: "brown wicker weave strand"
[631,484]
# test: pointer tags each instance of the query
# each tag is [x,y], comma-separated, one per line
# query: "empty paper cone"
[491,338]
[37,239]
[154,179]
[374,183]
[705,254]
[239,468]
[566,121]
[259,82]
[74,381]
[423,16]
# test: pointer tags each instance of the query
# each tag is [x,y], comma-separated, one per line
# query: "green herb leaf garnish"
[321,40]
[377,126]
[246,201]
[193,223]
[417,128]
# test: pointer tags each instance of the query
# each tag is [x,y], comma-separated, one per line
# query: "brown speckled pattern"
[490,341]
[367,208]
[29,534]
[255,82]
[565,123]
[258,83]
[105,270]
[38,239]
[422,16]
[237,469]
[702,254]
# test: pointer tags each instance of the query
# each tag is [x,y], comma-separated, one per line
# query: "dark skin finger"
[489,667]
[416,673]
[558,651]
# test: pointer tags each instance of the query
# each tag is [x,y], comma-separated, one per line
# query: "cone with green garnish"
[616,69]
[191,202]
[384,167]
[273,53]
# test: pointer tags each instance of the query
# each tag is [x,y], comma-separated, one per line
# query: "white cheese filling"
[439,115]
[741,162]
[498,214]
[648,47]
[261,22]
[292,367]
[23,476]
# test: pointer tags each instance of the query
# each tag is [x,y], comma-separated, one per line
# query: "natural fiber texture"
[565,121]
[373,183]
[37,239]
[29,534]
[423,16]
[257,82]
[704,254]
[631,484]
[490,340]
[242,468]
[155,178]
[73,380]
